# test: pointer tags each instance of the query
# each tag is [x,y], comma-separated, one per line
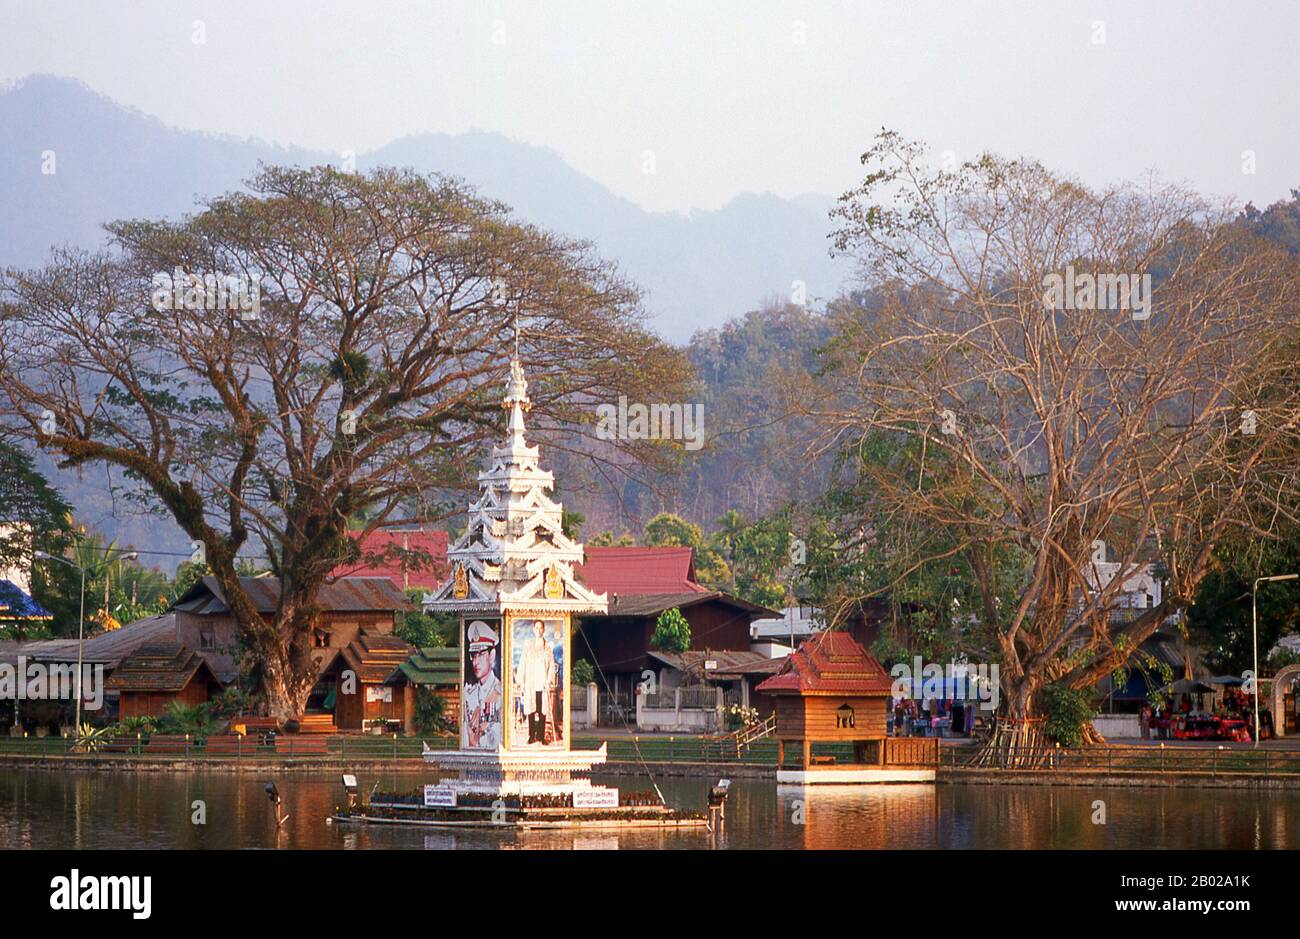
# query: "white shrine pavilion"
[513,586]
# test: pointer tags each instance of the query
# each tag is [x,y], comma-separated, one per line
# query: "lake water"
[59,809]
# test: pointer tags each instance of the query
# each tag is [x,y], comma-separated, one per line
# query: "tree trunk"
[286,673]
[1018,740]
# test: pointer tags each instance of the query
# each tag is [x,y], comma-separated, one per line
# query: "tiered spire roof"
[514,554]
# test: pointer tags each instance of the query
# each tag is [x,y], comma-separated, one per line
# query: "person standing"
[537,682]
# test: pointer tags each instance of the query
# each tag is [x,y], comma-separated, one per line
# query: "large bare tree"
[359,381]
[1011,396]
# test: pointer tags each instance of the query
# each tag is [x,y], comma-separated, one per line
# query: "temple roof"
[514,553]
[830,663]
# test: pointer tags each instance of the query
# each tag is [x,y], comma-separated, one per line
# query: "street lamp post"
[81,620]
[1254,632]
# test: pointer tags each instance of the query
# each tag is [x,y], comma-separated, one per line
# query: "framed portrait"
[538,682]
[482,696]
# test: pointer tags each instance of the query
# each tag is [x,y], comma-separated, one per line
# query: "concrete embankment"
[164,764]
[947,775]
[1156,779]
[314,764]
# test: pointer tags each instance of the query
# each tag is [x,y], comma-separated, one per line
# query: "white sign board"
[439,797]
[595,798]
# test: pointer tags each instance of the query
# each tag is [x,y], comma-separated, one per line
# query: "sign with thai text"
[439,797]
[595,798]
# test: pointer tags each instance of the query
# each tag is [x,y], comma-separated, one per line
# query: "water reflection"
[41,809]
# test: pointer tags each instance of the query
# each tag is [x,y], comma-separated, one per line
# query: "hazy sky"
[716,98]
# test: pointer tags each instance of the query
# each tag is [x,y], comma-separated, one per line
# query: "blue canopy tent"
[16,607]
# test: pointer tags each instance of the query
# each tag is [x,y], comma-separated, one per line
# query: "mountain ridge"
[110,161]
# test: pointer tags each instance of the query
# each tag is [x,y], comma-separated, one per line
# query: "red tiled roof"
[633,570]
[831,663]
[410,559]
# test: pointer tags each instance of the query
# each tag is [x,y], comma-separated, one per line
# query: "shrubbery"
[1068,711]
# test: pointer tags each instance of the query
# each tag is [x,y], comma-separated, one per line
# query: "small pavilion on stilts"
[832,690]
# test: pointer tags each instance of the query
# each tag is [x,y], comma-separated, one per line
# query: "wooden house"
[641,583]
[203,621]
[363,694]
[831,690]
[157,674]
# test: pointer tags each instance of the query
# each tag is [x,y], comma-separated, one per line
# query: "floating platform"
[381,812]
[851,775]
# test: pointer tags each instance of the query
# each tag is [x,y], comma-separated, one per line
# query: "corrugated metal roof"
[652,603]
[729,664]
[647,604]
[345,595]
[107,648]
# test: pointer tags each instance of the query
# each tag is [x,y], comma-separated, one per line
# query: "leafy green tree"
[673,530]
[606,539]
[1279,223]
[761,561]
[423,630]
[572,523]
[35,517]
[188,574]
[430,711]
[1220,620]
[668,529]
[672,633]
[938,602]
[726,531]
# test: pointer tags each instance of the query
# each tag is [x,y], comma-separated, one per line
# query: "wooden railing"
[747,735]
[734,745]
[1138,760]
[912,752]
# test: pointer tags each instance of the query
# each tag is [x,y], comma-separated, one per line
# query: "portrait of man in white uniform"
[483,697]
